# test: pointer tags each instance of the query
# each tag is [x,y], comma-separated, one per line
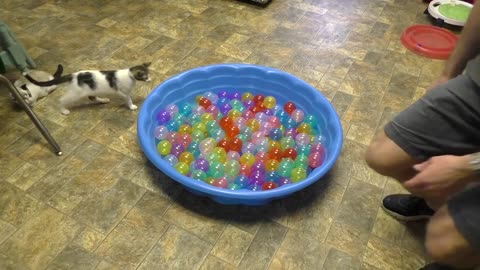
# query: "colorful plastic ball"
[303,149]
[275,153]
[272,176]
[210,180]
[315,159]
[284,181]
[198,175]
[269,102]
[194,148]
[263,145]
[269,112]
[248,115]
[197,135]
[253,124]
[298,174]
[261,117]
[172,109]
[301,161]
[289,123]
[261,157]
[257,177]
[186,157]
[182,168]
[204,102]
[225,108]
[171,159]
[274,144]
[291,132]
[221,182]
[249,104]
[212,124]
[265,128]
[233,155]
[319,139]
[234,186]
[290,153]
[248,159]
[164,147]
[223,144]
[311,120]
[271,165]
[207,145]
[185,139]
[282,115]
[247,96]
[223,94]
[177,149]
[172,126]
[298,115]
[185,109]
[160,132]
[258,99]
[234,113]
[232,131]
[240,122]
[269,185]
[216,170]
[289,107]
[248,132]
[258,166]
[304,128]
[248,148]
[241,180]
[163,117]
[302,139]
[318,148]
[287,142]
[212,109]
[257,137]
[232,168]
[255,187]
[218,134]
[197,110]
[244,169]
[235,95]
[207,117]
[235,144]
[285,168]
[275,134]
[222,100]
[212,157]
[202,164]
[194,118]
[185,129]
[211,96]
[225,122]
[222,154]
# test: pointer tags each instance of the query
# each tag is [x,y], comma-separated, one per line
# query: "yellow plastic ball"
[248,159]
[164,147]
[269,102]
[186,157]
[182,168]
[247,96]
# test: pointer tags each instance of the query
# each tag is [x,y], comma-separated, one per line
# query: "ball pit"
[240,134]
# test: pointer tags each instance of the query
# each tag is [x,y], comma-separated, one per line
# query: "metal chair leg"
[32,115]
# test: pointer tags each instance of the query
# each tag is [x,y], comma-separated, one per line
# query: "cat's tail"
[58,79]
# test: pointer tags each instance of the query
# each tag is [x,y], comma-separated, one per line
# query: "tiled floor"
[103,206]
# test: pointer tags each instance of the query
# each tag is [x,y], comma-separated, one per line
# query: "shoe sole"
[405,218]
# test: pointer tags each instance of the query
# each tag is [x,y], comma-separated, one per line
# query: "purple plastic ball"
[163,117]
[223,94]
[284,181]
[177,149]
[202,164]
[225,108]
[257,177]
[258,166]
[235,95]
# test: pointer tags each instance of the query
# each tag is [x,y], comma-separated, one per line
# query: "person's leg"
[445,121]
[453,233]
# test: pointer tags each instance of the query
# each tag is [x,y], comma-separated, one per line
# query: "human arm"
[441,176]
[468,46]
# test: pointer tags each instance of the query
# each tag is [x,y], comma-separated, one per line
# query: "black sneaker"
[407,207]
[436,266]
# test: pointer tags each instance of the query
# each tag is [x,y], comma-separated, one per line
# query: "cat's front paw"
[133,107]
[65,111]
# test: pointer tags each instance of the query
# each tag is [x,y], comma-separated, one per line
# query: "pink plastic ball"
[302,139]
[198,110]
[265,127]
[298,115]
[292,132]
[213,110]
[315,159]
[172,109]
[275,121]
[261,116]
[318,148]
[221,182]
[257,136]
[247,114]
[185,139]
[240,122]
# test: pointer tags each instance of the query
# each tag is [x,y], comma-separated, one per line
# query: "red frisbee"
[430,41]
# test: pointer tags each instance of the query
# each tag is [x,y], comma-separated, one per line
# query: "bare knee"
[387,158]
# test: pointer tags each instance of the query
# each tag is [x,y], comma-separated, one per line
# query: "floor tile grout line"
[276,250]
[213,246]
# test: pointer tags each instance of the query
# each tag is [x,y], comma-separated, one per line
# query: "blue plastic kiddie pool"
[240,77]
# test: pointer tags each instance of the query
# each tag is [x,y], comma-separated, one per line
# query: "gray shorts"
[446,121]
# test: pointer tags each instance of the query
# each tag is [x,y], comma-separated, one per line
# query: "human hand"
[439,177]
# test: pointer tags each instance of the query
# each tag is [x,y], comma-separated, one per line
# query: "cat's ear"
[147,64]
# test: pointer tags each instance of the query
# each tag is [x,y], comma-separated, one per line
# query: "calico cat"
[30,92]
[94,83]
